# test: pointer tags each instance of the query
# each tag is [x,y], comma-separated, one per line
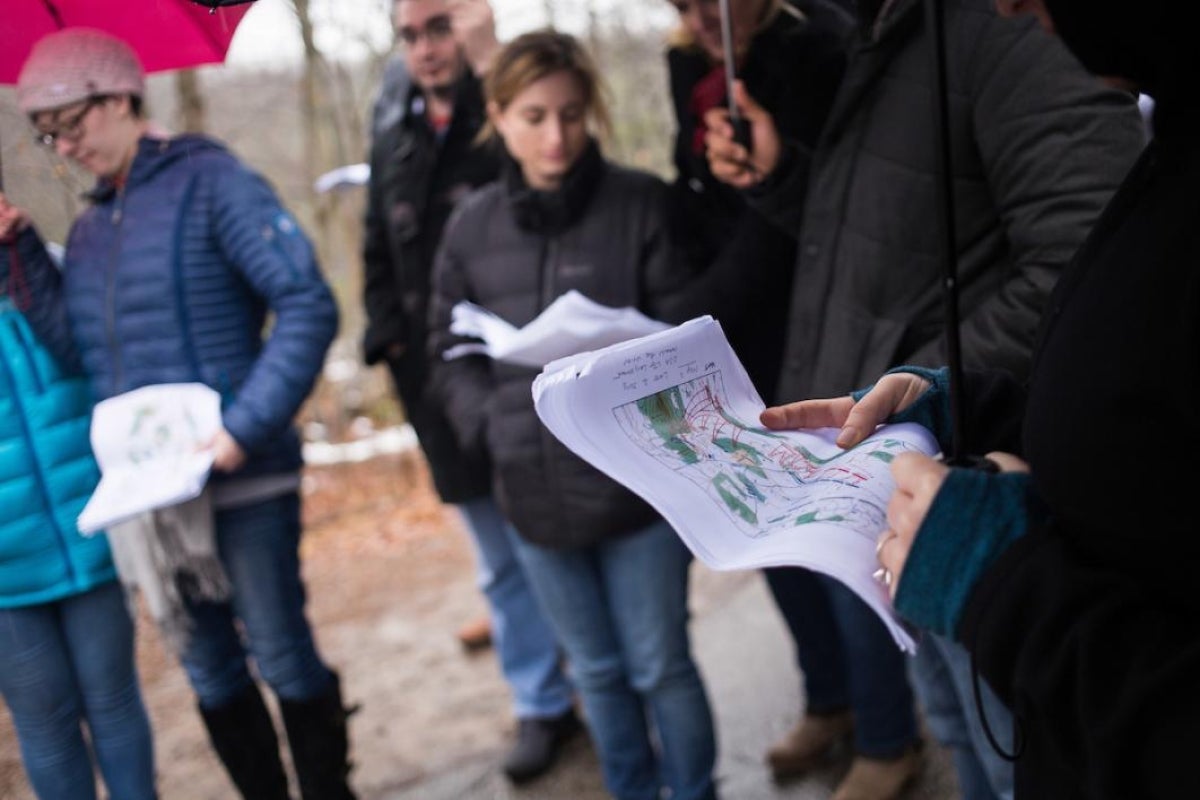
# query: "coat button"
[696,185]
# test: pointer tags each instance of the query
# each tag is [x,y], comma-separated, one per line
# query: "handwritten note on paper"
[674,417]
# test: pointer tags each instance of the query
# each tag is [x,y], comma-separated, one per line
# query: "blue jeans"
[69,662]
[259,547]
[942,676]
[525,643]
[848,658]
[620,610]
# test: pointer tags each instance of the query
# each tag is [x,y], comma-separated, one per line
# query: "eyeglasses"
[437,29]
[69,129]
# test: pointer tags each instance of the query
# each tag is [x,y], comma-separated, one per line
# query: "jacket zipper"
[28,348]
[39,475]
[110,294]
[548,285]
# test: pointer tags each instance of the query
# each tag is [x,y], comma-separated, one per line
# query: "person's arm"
[774,173]
[387,327]
[1055,144]
[267,248]
[462,385]
[1099,662]
[30,278]
[1104,662]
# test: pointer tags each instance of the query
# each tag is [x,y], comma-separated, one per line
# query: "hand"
[228,455]
[475,29]
[892,394]
[918,480]
[728,160]
[13,220]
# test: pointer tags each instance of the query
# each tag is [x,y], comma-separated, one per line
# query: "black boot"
[242,734]
[316,732]
[539,741]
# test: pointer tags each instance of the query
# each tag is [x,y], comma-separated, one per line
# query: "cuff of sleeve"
[932,409]
[778,176]
[974,517]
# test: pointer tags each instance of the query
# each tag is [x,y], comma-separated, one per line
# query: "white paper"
[571,324]
[147,445]
[673,416]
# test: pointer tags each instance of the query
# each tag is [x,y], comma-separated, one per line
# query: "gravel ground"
[390,577]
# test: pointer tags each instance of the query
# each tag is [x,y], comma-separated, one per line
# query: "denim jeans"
[525,643]
[942,676]
[620,610]
[848,658]
[70,662]
[259,548]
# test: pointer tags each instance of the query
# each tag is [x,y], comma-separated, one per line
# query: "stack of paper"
[674,417]
[148,445]
[571,324]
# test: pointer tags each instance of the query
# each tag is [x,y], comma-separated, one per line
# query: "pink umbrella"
[167,34]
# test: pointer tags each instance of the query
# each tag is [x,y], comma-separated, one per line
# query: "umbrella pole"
[948,251]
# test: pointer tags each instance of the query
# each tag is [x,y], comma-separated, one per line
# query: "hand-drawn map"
[766,481]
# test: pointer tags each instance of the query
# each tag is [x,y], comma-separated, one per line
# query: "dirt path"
[390,578]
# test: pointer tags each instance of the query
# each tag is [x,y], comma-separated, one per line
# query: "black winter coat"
[793,68]
[416,181]
[514,251]
[1039,146]
[1089,626]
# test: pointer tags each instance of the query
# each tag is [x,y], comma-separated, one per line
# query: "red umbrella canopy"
[166,34]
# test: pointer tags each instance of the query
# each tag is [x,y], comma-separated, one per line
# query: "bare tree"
[191,109]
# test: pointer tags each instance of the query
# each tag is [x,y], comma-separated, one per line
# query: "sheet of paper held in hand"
[571,324]
[146,443]
[674,417]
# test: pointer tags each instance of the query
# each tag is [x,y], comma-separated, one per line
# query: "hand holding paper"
[148,445]
[674,417]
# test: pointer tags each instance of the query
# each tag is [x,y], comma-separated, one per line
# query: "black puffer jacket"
[513,251]
[1039,146]
[793,68]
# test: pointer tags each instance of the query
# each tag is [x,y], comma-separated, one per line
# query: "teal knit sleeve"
[931,410]
[974,517]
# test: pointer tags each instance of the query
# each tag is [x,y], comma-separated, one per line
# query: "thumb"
[749,107]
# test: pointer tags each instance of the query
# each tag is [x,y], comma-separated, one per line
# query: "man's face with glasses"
[425,31]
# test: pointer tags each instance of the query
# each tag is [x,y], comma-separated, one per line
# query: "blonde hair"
[533,56]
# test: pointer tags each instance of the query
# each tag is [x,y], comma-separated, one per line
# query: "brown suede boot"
[807,745]
[879,779]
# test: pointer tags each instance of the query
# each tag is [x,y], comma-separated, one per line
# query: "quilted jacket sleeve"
[32,280]
[462,385]
[1055,144]
[266,246]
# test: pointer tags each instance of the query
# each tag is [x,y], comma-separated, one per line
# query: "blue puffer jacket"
[46,474]
[170,278]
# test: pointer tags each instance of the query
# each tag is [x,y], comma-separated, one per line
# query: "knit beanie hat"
[74,64]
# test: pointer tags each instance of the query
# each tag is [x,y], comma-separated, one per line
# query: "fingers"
[919,476]
[749,107]
[1008,462]
[808,414]
[892,552]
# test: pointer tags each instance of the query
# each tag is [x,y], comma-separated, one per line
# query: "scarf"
[170,557]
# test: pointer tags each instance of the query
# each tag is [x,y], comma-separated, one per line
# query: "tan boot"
[475,635]
[806,745]
[879,779]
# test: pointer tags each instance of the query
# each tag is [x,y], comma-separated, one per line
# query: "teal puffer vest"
[47,474]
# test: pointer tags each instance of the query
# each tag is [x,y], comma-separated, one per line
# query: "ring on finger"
[887,536]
